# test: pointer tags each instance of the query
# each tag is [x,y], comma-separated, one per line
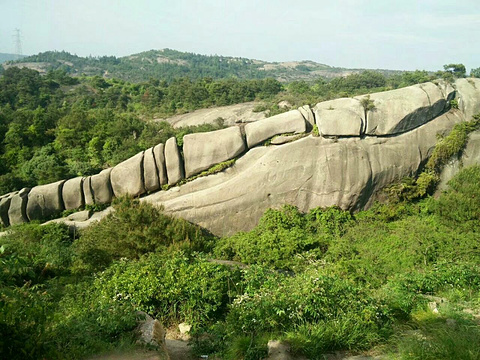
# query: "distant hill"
[8,57]
[168,64]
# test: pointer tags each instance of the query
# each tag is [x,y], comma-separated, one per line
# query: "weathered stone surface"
[150,172]
[87,191]
[101,187]
[401,110]
[468,91]
[4,206]
[72,193]
[203,150]
[307,114]
[278,350]
[173,162]
[150,331]
[80,215]
[283,139]
[159,153]
[307,173]
[289,122]
[340,117]
[45,201]
[17,212]
[127,177]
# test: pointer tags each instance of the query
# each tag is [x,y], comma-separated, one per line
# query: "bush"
[133,229]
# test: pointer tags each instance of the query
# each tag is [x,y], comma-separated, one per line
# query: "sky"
[376,34]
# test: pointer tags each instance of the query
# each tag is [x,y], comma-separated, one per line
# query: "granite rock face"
[4,206]
[307,173]
[17,212]
[45,201]
[159,154]
[173,162]
[401,110]
[468,96]
[203,150]
[101,187]
[289,122]
[340,117]
[127,177]
[72,193]
[87,191]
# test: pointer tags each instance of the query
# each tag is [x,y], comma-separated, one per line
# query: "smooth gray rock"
[45,201]
[72,193]
[127,177]
[17,212]
[87,191]
[203,150]
[283,139]
[401,110]
[173,162]
[308,173]
[289,122]
[4,206]
[150,171]
[101,187]
[80,215]
[340,117]
[159,153]
[468,96]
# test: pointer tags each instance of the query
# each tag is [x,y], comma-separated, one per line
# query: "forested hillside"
[9,57]
[170,64]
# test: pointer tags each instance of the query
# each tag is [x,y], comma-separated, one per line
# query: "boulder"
[151,332]
[45,201]
[150,171]
[80,215]
[4,206]
[468,92]
[87,191]
[203,150]
[398,111]
[340,117]
[283,139]
[289,122]
[72,193]
[127,177]
[307,114]
[173,162]
[101,187]
[278,350]
[159,154]
[17,212]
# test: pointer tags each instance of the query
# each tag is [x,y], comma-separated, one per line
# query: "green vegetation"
[322,281]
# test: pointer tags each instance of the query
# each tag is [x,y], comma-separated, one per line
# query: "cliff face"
[364,144]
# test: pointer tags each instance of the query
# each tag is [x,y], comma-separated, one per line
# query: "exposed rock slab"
[72,193]
[307,173]
[159,154]
[340,117]
[203,150]
[173,162]
[289,122]
[127,177]
[307,114]
[17,212]
[150,171]
[468,96]
[45,201]
[401,110]
[101,187]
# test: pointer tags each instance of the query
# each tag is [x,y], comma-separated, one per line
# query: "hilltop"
[168,64]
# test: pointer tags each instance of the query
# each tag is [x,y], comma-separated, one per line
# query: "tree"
[457,70]
[475,72]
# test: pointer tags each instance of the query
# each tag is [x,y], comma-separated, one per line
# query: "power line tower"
[18,43]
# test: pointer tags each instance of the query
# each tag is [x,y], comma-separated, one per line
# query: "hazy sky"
[405,34]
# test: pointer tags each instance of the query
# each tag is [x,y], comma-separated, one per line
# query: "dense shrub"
[133,229]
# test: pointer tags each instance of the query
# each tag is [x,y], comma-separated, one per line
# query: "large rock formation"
[45,201]
[366,144]
[203,150]
[127,177]
[307,173]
